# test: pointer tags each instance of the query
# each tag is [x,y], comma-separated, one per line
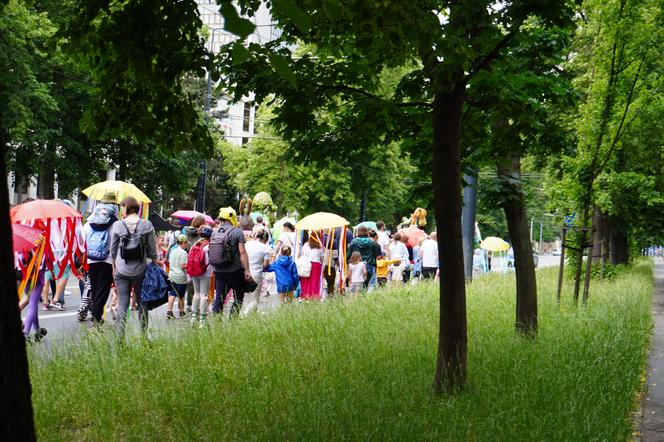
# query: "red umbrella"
[25,238]
[414,234]
[42,209]
[188,215]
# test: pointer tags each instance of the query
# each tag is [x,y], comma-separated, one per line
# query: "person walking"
[285,271]
[383,237]
[132,244]
[310,285]
[357,273]
[286,238]
[399,251]
[100,262]
[258,253]
[178,276]
[200,272]
[192,232]
[368,249]
[229,258]
[429,256]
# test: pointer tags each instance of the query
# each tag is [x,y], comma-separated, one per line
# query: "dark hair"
[205,232]
[380,225]
[286,251]
[397,237]
[259,219]
[130,205]
[362,231]
[262,235]
[372,233]
[289,226]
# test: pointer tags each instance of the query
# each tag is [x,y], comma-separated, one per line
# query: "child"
[178,276]
[357,272]
[162,253]
[286,273]
[383,268]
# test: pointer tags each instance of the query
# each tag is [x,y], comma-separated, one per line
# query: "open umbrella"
[371,225]
[25,238]
[414,234]
[120,189]
[160,224]
[320,221]
[494,244]
[188,215]
[42,210]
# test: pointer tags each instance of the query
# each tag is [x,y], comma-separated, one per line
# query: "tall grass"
[362,370]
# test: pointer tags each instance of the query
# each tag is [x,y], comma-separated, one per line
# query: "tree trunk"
[517,225]
[619,247]
[468,215]
[16,423]
[452,342]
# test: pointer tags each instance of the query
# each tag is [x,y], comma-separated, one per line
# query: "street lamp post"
[202,178]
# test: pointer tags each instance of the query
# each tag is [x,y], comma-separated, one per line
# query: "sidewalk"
[652,424]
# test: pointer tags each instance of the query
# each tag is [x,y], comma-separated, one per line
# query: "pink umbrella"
[414,234]
[188,215]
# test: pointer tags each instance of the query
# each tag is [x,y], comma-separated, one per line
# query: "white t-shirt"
[429,252]
[399,251]
[384,241]
[314,255]
[288,239]
[357,271]
[257,252]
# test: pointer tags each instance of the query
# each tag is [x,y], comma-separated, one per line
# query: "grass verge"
[362,370]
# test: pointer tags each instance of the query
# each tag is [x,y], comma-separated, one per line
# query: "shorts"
[48,275]
[180,290]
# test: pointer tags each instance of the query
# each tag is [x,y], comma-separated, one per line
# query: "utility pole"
[468,213]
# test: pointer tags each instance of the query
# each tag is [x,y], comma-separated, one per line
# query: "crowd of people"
[234,267]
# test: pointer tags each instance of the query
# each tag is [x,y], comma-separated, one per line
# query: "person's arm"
[244,259]
[184,264]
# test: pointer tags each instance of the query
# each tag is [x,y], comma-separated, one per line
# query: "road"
[63,325]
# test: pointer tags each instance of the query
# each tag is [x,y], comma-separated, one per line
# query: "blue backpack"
[98,245]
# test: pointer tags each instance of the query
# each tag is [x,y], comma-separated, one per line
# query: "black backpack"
[221,249]
[131,245]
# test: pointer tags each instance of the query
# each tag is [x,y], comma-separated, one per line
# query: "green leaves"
[280,65]
[239,53]
[291,10]
[233,23]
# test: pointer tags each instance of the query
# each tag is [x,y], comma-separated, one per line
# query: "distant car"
[556,252]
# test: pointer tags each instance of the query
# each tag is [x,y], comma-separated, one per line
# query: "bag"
[220,250]
[303,266]
[196,265]
[156,286]
[98,245]
[131,245]
[249,285]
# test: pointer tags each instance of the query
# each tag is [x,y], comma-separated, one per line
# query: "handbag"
[303,264]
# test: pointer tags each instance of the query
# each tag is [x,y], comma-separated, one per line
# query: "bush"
[362,370]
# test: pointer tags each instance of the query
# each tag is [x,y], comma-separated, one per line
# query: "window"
[245,140]
[247,117]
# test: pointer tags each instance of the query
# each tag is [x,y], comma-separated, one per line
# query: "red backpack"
[196,262]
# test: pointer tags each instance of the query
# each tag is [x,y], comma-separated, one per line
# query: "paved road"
[63,325]
[653,405]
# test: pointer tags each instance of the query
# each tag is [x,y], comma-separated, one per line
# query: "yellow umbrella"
[494,244]
[320,221]
[120,189]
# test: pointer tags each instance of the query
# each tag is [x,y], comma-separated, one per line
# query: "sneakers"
[170,315]
[203,321]
[188,309]
[58,306]
[194,319]
[182,314]
[47,307]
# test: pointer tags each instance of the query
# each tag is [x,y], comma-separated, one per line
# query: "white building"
[236,120]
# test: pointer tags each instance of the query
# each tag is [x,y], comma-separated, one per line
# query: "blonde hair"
[355,258]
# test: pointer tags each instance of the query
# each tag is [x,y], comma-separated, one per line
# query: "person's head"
[362,231]
[198,221]
[285,251]
[433,236]
[262,236]
[380,225]
[355,257]
[130,205]
[205,232]
[373,235]
[397,237]
[259,219]
[313,242]
[288,227]
[227,215]
[182,241]
[380,257]
[404,238]
[160,240]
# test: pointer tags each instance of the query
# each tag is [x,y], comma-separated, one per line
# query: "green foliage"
[137,53]
[340,370]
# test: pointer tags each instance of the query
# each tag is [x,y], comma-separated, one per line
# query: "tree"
[449,43]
